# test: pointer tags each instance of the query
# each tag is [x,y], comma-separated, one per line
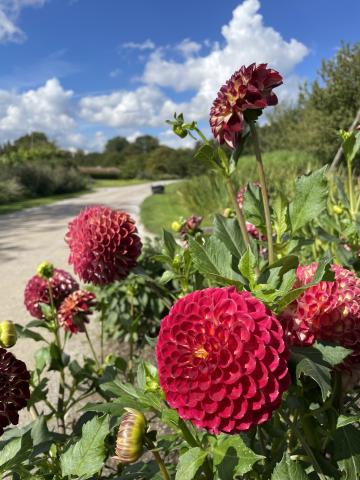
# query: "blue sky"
[85,70]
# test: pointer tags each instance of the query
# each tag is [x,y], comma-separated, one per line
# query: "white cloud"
[9,13]
[133,136]
[146,45]
[246,39]
[169,139]
[188,47]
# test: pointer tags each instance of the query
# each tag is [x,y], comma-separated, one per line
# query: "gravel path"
[31,236]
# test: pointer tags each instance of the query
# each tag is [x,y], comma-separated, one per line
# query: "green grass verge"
[38,202]
[159,211]
[105,182]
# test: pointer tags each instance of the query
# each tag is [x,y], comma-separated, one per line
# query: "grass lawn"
[159,211]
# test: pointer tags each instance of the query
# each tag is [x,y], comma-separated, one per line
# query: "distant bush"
[101,172]
[10,191]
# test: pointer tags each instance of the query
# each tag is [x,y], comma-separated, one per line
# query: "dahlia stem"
[304,443]
[159,460]
[91,347]
[264,191]
[350,190]
[239,214]
[102,339]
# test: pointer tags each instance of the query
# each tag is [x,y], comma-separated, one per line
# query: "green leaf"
[344,420]
[27,333]
[206,155]
[280,210]
[214,260]
[253,205]
[227,230]
[309,199]
[15,452]
[87,456]
[169,243]
[115,409]
[287,469]
[189,463]
[247,267]
[232,457]
[319,373]
[332,354]
[347,451]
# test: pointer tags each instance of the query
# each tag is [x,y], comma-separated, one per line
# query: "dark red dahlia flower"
[222,360]
[250,88]
[37,291]
[104,244]
[14,388]
[74,310]
[328,311]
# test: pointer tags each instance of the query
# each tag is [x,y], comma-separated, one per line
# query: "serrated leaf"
[87,456]
[287,469]
[247,267]
[206,155]
[347,451]
[319,373]
[227,230]
[232,457]
[214,260]
[310,199]
[253,205]
[280,215]
[332,354]
[169,243]
[189,463]
[15,451]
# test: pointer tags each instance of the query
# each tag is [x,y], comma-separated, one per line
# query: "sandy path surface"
[31,236]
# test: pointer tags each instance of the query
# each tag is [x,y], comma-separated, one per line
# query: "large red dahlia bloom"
[222,360]
[37,291]
[250,88]
[104,244]
[14,388]
[73,312]
[328,311]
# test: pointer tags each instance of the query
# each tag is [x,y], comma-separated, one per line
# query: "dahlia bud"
[130,437]
[45,270]
[180,131]
[176,226]
[8,335]
[337,210]
[228,213]
[177,261]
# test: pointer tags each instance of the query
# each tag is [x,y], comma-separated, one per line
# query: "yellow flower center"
[200,352]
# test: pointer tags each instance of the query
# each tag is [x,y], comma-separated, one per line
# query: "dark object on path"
[157,188]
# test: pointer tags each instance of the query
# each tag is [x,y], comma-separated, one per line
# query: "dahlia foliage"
[254,321]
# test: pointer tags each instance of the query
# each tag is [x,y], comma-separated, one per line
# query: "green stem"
[350,190]
[304,443]
[264,192]
[159,460]
[91,347]
[239,214]
[102,339]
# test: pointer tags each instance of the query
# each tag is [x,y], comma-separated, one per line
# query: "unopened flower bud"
[130,437]
[180,131]
[176,226]
[228,212]
[8,335]
[177,260]
[45,270]
[337,210]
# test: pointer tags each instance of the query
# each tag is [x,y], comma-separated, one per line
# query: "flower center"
[200,352]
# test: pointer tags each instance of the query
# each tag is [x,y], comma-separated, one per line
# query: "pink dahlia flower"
[74,310]
[328,311]
[37,291]
[222,360]
[14,388]
[250,88]
[104,244]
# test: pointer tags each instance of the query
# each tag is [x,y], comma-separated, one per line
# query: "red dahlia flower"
[37,291]
[328,311]
[14,388]
[74,310]
[104,244]
[222,360]
[250,88]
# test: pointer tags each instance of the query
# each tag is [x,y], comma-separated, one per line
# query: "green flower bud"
[45,270]
[130,437]
[180,131]
[8,335]
[176,226]
[337,210]
[177,261]
[228,212]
